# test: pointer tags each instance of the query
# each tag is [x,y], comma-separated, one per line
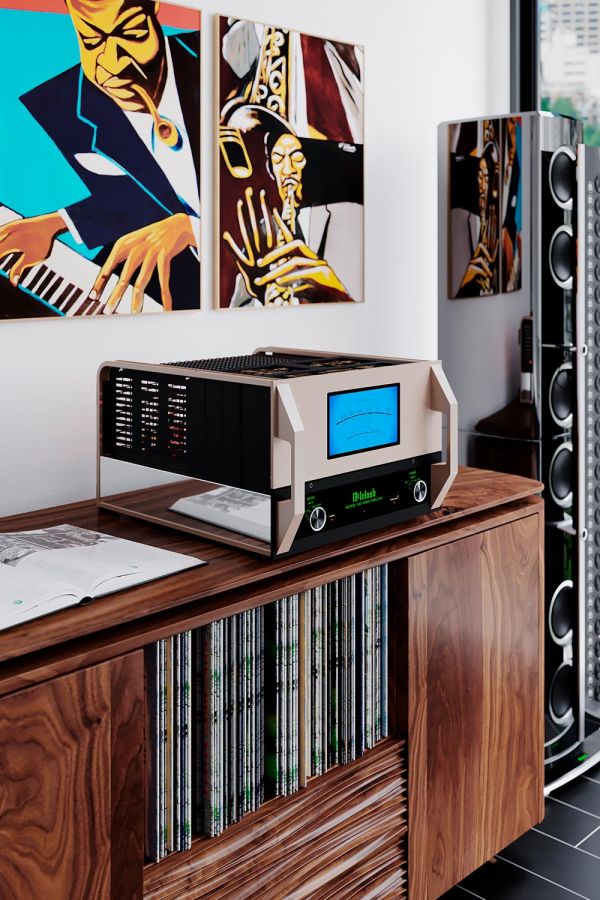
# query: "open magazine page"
[20,595]
[78,563]
[234,508]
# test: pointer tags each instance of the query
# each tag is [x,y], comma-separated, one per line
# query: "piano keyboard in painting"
[60,285]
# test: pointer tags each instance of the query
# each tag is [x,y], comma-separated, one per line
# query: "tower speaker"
[532,406]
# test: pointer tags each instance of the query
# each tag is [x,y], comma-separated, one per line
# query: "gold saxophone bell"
[165,130]
[234,152]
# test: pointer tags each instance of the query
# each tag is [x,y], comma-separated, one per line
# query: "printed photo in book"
[289,207]
[246,512]
[100,156]
[49,569]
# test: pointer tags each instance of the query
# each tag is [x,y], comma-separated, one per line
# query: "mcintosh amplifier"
[279,451]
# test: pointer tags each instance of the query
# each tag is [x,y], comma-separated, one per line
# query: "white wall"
[425,62]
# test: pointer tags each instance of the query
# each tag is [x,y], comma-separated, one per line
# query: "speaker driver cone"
[562,176]
[562,257]
[560,475]
[560,396]
[561,614]
[562,694]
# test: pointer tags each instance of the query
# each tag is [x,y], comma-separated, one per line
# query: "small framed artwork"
[484,226]
[99,168]
[289,167]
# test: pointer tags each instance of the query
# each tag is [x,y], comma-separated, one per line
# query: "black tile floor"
[557,860]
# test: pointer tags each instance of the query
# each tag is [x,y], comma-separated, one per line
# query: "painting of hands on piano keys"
[99,169]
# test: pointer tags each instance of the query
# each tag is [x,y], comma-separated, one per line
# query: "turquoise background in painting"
[34,176]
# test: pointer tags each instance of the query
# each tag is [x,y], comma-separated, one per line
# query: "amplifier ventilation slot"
[177,420]
[124,412]
[149,409]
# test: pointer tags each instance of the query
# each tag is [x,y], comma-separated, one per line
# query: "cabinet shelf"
[345,826]
[459,778]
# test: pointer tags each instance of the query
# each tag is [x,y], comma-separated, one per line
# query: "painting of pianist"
[99,183]
[290,163]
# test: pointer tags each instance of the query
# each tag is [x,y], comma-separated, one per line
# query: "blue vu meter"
[363,420]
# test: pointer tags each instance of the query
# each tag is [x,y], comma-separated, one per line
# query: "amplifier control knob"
[420,491]
[317,518]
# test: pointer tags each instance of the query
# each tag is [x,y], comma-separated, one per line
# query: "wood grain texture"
[512,764]
[199,596]
[418,700]
[475,710]
[55,750]
[345,831]
[127,776]
[62,802]
[16,673]
[465,626]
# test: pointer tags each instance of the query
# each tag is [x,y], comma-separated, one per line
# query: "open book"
[234,508]
[52,568]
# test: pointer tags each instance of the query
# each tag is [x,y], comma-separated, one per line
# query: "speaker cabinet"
[535,409]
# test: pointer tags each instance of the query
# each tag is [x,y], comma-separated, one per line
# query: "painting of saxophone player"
[511,190]
[484,247]
[100,208]
[290,201]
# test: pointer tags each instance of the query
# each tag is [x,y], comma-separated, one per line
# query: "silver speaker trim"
[568,500]
[569,716]
[554,740]
[576,772]
[568,638]
[568,151]
[568,421]
[568,284]
[581,364]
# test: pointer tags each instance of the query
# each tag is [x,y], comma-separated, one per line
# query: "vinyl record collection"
[169,788]
[249,707]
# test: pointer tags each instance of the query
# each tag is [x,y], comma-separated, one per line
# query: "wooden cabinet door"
[71,795]
[476,669]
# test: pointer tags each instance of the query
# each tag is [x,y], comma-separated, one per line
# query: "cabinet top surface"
[474,492]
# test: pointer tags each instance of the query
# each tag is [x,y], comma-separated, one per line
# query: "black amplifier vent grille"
[149,414]
[235,364]
[177,420]
[123,412]
[207,428]
[282,366]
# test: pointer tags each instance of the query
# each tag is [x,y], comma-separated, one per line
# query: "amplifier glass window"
[363,420]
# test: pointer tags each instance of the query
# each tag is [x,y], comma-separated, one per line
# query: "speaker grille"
[563,691]
[589,372]
[560,399]
[560,475]
[562,257]
[563,613]
[563,177]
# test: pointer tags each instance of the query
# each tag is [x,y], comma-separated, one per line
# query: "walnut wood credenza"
[459,778]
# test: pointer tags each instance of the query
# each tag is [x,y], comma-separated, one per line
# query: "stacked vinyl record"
[249,707]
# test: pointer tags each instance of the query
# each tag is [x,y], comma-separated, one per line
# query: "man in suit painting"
[127,120]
